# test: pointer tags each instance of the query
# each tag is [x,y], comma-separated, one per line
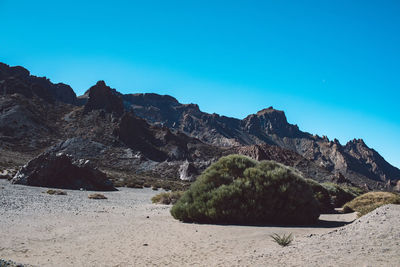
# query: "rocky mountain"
[18,80]
[153,136]
[355,160]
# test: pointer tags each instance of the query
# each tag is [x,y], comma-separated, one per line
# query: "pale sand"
[72,230]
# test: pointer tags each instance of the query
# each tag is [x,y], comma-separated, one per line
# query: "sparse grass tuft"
[137,186]
[148,181]
[370,201]
[283,240]
[97,196]
[56,192]
[167,197]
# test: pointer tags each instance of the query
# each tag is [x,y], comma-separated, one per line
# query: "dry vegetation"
[56,192]
[97,196]
[147,181]
[370,201]
[167,197]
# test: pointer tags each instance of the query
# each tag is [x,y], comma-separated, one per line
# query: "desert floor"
[127,230]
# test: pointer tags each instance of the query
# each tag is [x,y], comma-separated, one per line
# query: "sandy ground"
[127,230]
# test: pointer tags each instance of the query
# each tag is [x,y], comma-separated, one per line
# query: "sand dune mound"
[372,240]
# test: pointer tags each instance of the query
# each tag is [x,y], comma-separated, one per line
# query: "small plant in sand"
[97,196]
[370,201]
[167,197]
[283,240]
[56,192]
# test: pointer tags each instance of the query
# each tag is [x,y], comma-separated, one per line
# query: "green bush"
[239,190]
[341,194]
[321,194]
[368,202]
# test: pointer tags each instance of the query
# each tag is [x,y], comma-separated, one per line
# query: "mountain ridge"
[166,118]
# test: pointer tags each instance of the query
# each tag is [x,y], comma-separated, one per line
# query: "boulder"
[61,171]
[7,174]
[187,171]
[397,187]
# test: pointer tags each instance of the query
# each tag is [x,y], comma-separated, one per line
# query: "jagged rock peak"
[101,83]
[269,110]
[101,96]
[272,114]
[356,142]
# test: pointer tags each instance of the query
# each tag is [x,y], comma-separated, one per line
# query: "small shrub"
[355,191]
[119,183]
[56,192]
[97,196]
[341,194]
[321,194]
[284,240]
[370,201]
[167,197]
[137,186]
[239,190]
[167,187]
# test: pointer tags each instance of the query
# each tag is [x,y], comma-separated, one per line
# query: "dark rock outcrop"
[100,96]
[61,171]
[18,80]
[136,134]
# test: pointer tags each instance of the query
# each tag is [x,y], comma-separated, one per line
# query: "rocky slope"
[355,160]
[150,135]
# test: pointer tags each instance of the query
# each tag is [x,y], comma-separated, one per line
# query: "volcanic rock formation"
[60,171]
[156,136]
[355,160]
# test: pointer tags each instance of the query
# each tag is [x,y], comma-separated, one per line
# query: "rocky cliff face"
[355,161]
[150,134]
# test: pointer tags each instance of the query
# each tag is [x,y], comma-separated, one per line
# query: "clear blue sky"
[332,66]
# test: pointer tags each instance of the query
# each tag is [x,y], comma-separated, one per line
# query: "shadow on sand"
[333,220]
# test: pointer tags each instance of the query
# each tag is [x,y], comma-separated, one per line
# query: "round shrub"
[321,194]
[238,190]
[368,202]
